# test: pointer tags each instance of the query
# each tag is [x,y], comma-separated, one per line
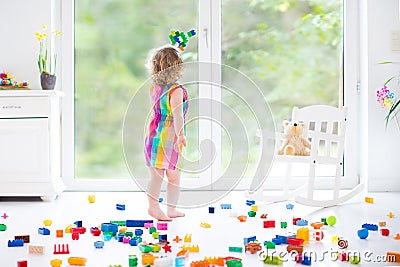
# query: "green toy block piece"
[189,34]
[331,220]
[152,230]
[270,244]
[252,213]
[119,223]
[324,221]
[155,235]
[234,263]
[235,249]
[354,259]
[182,34]
[273,260]
[283,224]
[133,261]
[172,39]
[145,248]
[129,234]
[139,239]
[3,227]
[156,247]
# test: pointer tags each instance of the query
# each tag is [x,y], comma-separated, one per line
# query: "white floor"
[25,217]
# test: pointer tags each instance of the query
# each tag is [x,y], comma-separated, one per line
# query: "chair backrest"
[325,128]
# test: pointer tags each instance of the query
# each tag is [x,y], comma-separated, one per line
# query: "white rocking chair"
[325,128]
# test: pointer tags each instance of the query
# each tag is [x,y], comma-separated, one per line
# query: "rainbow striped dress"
[160,136]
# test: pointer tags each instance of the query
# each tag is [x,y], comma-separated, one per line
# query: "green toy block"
[139,239]
[233,263]
[119,223]
[3,227]
[324,221]
[270,244]
[354,259]
[152,230]
[129,234]
[172,39]
[156,247]
[155,235]
[133,261]
[252,213]
[283,224]
[145,249]
[235,249]
[273,260]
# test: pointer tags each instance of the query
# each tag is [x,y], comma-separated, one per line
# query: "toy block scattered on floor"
[61,249]
[133,260]
[119,223]
[226,206]
[120,206]
[301,222]
[16,243]
[47,222]
[273,260]
[369,200]
[43,231]
[59,233]
[298,248]
[219,261]
[78,261]
[137,223]
[22,263]
[26,238]
[36,249]
[68,228]
[211,210]
[242,218]
[254,208]
[393,257]
[192,248]
[162,226]
[235,249]
[148,225]
[95,231]
[78,223]
[269,224]
[91,198]
[370,227]
[187,238]
[177,239]
[3,227]
[385,232]
[250,202]
[303,233]
[98,244]
[247,240]
[152,230]
[382,224]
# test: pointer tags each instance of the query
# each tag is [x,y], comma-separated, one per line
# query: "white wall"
[380,149]
[19,48]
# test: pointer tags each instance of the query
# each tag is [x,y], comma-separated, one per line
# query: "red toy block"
[22,263]
[297,248]
[95,231]
[78,230]
[298,258]
[385,232]
[269,224]
[343,256]
[75,236]
[295,241]
[295,220]
[61,249]
[264,216]
[167,248]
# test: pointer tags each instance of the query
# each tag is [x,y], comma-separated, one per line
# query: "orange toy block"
[78,261]
[203,263]
[56,263]
[148,258]
[390,215]
[393,257]
[369,200]
[242,218]
[215,260]
[59,233]
[382,224]
[192,248]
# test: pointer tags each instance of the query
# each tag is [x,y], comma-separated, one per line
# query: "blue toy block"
[138,232]
[278,240]
[120,206]
[247,240]
[226,206]
[137,223]
[289,206]
[16,243]
[98,244]
[370,227]
[160,200]
[211,209]
[362,233]
[301,222]
[134,241]
[162,237]
[179,261]
[120,237]
[306,260]
[78,223]
[109,227]
[43,231]
[250,202]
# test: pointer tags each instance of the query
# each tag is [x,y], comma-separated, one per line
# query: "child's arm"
[176,102]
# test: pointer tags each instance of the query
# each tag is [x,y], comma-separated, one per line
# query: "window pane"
[291,49]
[112,42]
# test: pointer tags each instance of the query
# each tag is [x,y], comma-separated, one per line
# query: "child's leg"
[174,179]
[153,194]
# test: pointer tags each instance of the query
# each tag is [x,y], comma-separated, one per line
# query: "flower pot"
[47,81]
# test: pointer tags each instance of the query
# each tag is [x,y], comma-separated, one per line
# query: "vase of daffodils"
[47,59]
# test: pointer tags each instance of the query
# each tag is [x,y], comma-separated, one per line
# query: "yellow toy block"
[369,200]
[254,208]
[335,239]
[91,198]
[56,263]
[303,233]
[187,238]
[47,222]
[122,230]
[390,215]
[79,261]
[68,228]
[191,248]
[155,235]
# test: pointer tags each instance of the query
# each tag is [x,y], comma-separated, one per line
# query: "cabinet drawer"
[24,107]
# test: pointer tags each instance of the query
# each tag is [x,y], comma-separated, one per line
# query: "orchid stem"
[397,122]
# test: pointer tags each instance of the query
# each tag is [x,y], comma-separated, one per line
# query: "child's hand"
[179,142]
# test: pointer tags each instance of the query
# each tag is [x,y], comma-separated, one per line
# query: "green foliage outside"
[291,49]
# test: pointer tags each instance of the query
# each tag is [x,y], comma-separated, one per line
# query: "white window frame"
[209,35]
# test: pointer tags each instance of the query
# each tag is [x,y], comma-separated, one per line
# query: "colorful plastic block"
[264,216]
[219,261]
[138,232]
[233,263]
[289,206]
[192,248]
[343,256]
[43,231]
[152,230]
[26,238]
[354,259]
[119,223]
[235,249]
[303,233]
[385,232]
[91,198]
[162,237]
[95,231]
[61,249]
[382,224]
[331,220]
[155,248]
[335,239]
[47,222]
[254,208]
[134,241]
[205,225]
[187,238]
[211,209]
[98,244]
[252,213]
[370,227]
[78,230]
[393,257]
[247,240]
[369,200]
[23,263]
[362,233]
[120,206]
[75,236]
[79,261]
[317,225]
[3,227]
[242,218]
[306,260]
[283,225]
[145,248]
[295,220]
[126,239]
[298,248]
[295,241]
[16,243]
[36,250]
[78,223]
[317,235]
[269,224]
[56,263]
[109,227]
[226,206]
[137,223]
[162,226]
[59,233]
[269,244]
[250,202]
[148,258]
[301,222]
[273,260]
[148,225]
[324,221]
[155,235]
[133,260]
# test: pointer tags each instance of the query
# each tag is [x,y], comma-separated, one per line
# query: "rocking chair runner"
[325,128]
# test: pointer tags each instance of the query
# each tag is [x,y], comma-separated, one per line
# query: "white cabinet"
[30,143]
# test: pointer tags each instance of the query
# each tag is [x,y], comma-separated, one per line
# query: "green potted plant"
[386,99]
[47,59]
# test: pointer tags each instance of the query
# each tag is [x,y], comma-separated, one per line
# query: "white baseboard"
[384,185]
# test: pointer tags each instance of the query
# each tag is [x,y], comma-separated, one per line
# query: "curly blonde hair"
[165,65]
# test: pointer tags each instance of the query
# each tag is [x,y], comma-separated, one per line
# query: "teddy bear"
[294,143]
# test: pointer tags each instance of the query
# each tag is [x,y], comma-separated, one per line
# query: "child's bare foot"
[158,214]
[174,213]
